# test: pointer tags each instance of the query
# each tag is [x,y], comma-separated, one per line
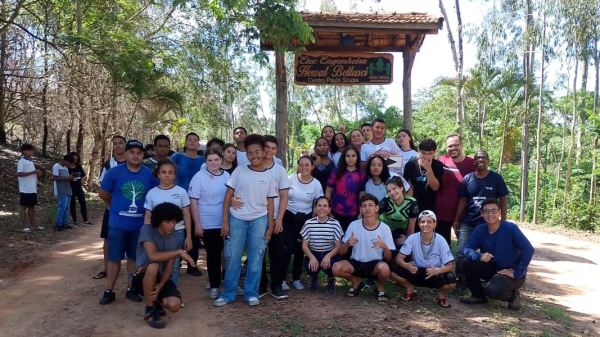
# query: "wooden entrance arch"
[368,32]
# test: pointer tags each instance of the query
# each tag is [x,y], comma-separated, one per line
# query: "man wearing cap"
[123,190]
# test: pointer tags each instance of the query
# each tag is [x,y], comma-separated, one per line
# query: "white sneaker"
[298,285]
[40,228]
[220,302]
[253,301]
[214,293]
[207,286]
[240,291]
[26,230]
[284,286]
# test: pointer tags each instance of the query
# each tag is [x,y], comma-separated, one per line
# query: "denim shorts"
[121,243]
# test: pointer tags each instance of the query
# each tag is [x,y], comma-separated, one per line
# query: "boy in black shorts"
[152,280]
[372,244]
[28,176]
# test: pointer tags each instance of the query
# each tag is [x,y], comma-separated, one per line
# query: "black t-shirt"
[79,174]
[322,174]
[416,175]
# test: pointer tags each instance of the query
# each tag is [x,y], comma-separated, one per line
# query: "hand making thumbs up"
[352,240]
[379,243]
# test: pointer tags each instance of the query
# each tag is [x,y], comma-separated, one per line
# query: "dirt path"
[58,297]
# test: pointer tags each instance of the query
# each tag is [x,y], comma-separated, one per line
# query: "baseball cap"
[429,214]
[134,143]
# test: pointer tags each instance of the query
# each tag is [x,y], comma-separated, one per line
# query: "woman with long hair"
[345,186]
[357,138]
[378,173]
[328,132]
[207,191]
[78,192]
[398,210]
[337,145]
[407,148]
[229,158]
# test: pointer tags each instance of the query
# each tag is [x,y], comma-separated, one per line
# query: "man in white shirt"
[27,175]
[379,145]
[372,244]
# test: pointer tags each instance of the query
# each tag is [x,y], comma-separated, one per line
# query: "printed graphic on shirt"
[132,190]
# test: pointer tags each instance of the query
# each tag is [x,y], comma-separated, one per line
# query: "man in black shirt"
[424,174]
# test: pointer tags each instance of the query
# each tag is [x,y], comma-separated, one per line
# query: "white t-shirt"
[27,184]
[380,190]
[321,236]
[242,159]
[387,146]
[363,250]
[406,157]
[280,176]
[208,191]
[440,252]
[301,196]
[175,195]
[61,187]
[335,157]
[254,188]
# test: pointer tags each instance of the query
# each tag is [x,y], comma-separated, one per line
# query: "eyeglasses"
[481,158]
[490,211]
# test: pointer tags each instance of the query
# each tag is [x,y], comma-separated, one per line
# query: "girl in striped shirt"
[321,237]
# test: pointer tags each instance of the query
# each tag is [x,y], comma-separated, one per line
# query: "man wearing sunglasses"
[502,261]
[475,188]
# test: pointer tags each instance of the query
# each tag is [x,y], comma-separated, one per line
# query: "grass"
[292,327]
[512,331]
[258,324]
[555,313]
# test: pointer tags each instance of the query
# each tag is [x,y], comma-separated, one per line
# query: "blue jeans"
[62,214]
[252,235]
[464,233]
[176,266]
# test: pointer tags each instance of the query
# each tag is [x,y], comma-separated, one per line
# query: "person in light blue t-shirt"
[124,190]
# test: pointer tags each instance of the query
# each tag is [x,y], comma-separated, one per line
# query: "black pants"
[499,287]
[292,225]
[213,243]
[80,195]
[277,265]
[444,228]
[195,245]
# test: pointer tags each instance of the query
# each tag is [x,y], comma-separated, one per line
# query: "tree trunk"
[479,124]
[407,59]
[458,58]
[572,145]
[71,111]
[527,67]
[506,112]
[44,101]
[538,145]
[3,57]
[96,127]
[593,178]
[281,87]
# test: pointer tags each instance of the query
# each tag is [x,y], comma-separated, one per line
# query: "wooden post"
[281,87]
[407,57]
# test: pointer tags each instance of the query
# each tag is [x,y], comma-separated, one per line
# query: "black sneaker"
[261,292]
[58,228]
[314,286]
[331,286]
[108,297]
[132,295]
[153,320]
[515,304]
[278,293]
[194,271]
[67,226]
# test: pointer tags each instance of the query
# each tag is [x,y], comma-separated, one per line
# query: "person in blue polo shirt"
[503,257]
[123,190]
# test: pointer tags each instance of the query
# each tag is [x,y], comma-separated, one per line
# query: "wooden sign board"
[343,69]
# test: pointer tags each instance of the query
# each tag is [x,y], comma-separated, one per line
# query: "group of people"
[369,208]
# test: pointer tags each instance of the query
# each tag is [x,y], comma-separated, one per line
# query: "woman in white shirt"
[304,189]
[407,147]
[207,190]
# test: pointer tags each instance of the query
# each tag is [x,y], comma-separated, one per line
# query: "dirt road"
[58,297]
